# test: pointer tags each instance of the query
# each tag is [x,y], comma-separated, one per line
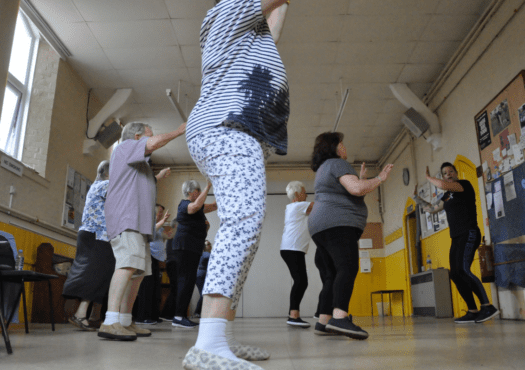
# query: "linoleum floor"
[394,343]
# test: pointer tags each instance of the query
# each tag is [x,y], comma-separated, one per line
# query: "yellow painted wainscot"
[29,241]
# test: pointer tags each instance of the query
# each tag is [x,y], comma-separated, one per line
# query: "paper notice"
[365,265]
[510,189]
[498,205]
[518,154]
[485,166]
[512,139]
[497,187]
[70,177]
[496,155]
[504,153]
[489,200]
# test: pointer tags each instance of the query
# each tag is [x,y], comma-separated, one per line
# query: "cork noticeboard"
[500,128]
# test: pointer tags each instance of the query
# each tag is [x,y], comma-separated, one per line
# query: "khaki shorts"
[131,249]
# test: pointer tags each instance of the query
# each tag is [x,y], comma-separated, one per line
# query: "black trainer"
[184,323]
[486,313]
[298,322]
[470,317]
[346,327]
[320,329]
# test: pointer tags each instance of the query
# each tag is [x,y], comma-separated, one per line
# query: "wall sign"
[484,139]
[12,165]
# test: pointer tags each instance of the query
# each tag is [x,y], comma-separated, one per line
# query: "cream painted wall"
[169,190]
[44,197]
[494,59]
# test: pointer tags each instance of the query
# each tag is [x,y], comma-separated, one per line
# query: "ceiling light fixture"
[341,109]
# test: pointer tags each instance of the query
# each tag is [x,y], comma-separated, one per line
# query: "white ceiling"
[151,45]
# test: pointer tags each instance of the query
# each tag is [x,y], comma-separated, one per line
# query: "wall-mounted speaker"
[415,122]
[109,133]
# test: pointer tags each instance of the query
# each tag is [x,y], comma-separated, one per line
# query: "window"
[16,99]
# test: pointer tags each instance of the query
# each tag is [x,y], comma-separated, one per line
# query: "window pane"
[8,119]
[19,63]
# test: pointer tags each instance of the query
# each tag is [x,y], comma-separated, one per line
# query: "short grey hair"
[189,186]
[133,128]
[103,171]
[294,187]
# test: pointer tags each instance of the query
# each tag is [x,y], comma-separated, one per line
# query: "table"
[21,276]
[389,292]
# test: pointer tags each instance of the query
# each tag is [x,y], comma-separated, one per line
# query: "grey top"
[130,201]
[334,206]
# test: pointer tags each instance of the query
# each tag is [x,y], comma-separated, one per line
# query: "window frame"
[25,88]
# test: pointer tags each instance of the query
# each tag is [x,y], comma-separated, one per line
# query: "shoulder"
[466,185]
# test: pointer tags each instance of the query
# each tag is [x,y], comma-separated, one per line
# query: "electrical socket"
[12,190]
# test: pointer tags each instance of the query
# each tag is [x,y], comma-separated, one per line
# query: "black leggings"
[182,271]
[462,254]
[295,260]
[147,304]
[337,258]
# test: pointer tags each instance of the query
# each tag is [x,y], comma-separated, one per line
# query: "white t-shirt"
[296,236]
[243,77]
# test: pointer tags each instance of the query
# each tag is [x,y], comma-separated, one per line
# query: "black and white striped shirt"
[243,77]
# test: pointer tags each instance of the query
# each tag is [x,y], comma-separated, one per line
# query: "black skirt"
[91,272]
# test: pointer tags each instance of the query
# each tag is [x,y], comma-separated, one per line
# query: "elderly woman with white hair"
[91,272]
[294,246]
[184,251]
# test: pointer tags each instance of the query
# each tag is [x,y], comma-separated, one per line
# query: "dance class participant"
[294,246]
[459,203]
[90,275]
[336,223]
[239,120]
[130,221]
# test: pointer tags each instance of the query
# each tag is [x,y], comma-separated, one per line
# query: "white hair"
[133,128]
[103,171]
[294,187]
[190,186]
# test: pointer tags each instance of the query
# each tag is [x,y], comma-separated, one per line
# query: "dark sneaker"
[159,321]
[320,329]
[298,322]
[184,323]
[486,313]
[316,316]
[146,322]
[470,317]
[346,327]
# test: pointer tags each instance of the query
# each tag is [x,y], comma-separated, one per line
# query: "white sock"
[125,319]
[212,338]
[229,335]
[111,318]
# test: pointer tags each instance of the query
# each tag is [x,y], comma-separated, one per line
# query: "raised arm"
[195,206]
[453,186]
[359,188]
[210,207]
[275,13]
[309,209]
[158,141]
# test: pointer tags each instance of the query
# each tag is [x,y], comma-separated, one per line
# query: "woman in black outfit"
[184,251]
[459,203]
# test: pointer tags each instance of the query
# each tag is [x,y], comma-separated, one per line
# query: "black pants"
[462,254]
[201,279]
[337,258]
[295,260]
[147,304]
[182,271]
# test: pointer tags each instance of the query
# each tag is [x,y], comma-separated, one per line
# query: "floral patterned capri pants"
[233,160]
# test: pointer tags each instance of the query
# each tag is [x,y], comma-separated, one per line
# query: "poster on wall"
[483,130]
[521,115]
[500,117]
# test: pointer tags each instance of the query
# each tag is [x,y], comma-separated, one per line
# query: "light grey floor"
[413,343]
